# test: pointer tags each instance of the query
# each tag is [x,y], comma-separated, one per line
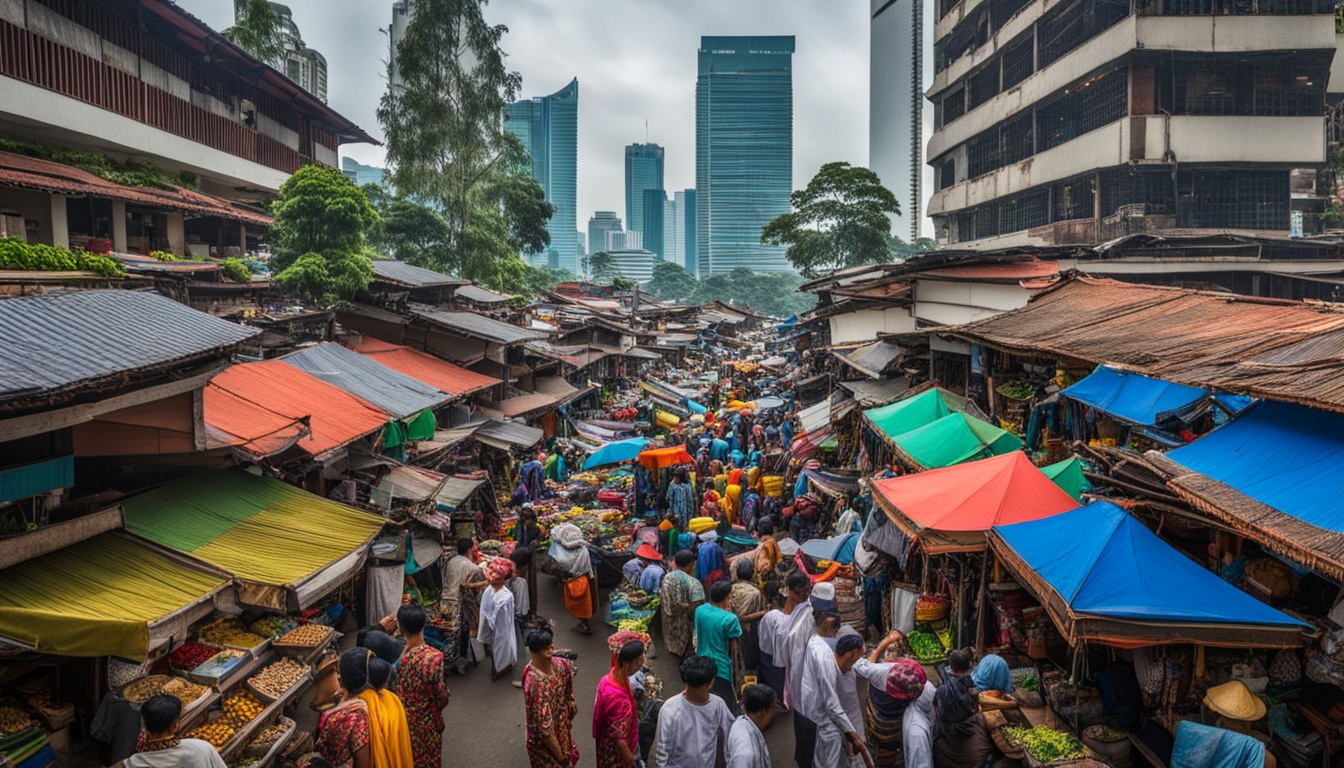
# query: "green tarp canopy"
[912,413]
[953,439]
[1068,474]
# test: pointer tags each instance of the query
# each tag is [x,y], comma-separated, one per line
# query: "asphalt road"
[485,720]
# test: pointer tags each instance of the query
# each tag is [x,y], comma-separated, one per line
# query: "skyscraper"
[303,65]
[743,150]
[655,200]
[687,233]
[549,128]
[599,225]
[362,174]
[643,170]
[899,116]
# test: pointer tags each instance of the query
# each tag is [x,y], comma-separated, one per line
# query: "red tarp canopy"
[950,509]
[658,458]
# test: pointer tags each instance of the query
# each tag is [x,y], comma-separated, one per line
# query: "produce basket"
[164,684]
[266,752]
[932,608]
[303,640]
[272,698]
[1044,746]
[218,667]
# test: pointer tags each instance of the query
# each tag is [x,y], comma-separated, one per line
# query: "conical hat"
[1235,700]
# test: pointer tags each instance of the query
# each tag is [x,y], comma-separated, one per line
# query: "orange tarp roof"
[336,417]
[658,458]
[233,421]
[970,499]
[440,374]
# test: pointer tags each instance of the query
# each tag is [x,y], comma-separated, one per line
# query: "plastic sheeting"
[1286,456]
[1136,399]
[1103,562]
[953,439]
[98,597]
[271,536]
[1068,475]
[367,379]
[615,453]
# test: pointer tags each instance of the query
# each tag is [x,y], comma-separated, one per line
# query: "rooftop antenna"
[646,130]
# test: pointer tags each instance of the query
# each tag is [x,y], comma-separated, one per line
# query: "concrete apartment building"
[143,80]
[1064,122]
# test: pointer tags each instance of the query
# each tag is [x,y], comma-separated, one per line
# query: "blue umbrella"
[615,453]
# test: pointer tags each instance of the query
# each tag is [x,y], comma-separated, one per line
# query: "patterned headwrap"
[498,568]
[905,680]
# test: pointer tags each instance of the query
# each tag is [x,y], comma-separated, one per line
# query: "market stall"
[285,548]
[1138,405]
[934,428]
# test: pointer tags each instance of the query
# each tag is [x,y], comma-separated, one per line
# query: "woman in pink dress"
[615,722]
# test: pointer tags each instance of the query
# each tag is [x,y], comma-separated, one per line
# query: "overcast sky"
[635,60]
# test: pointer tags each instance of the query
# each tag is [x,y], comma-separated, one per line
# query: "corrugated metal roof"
[367,379]
[871,359]
[476,293]
[56,342]
[239,423]
[524,404]
[336,417]
[453,379]
[411,276]
[1261,347]
[871,394]
[457,490]
[31,173]
[509,434]
[480,327]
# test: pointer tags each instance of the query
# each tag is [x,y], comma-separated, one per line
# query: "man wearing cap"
[837,738]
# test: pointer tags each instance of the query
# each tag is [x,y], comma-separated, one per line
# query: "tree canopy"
[322,220]
[671,282]
[259,30]
[770,293]
[447,146]
[839,220]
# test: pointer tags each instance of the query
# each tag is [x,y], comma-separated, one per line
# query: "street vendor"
[1238,709]
[647,572]
[460,573]
[161,716]
[681,496]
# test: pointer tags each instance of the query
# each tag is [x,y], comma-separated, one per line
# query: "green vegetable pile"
[925,646]
[35,257]
[1017,390]
[1045,744]
[1030,684]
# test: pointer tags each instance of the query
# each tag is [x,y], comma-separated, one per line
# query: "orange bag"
[578,599]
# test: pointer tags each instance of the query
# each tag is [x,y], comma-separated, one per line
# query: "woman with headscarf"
[343,730]
[495,630]
[389,732]
[615,718]
[681,496]
[992,676]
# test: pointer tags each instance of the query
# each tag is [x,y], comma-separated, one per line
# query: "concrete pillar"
[60,223]
[118,226]
[242,239]
[177,233]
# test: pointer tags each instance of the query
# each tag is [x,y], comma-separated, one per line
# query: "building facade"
[643,171]
[1081,121]
[684,232]
[362,174]
[634,263]
[743,150]
[655,221]
[549,127]
[624,240]
[300,63]
[143,80]
[599,225]
[900,117]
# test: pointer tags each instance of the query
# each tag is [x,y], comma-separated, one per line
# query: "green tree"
[545,278]
[671,282]
[321,212]
[839,220]
[770,293]
[412,233]
[602,267]
[259,30]
[308,276]
[902,250]
[447,145]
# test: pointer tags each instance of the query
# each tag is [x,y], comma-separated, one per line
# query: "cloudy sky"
[635,60]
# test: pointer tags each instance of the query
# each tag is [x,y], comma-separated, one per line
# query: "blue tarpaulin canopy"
[839,548]
[1136,399]
[1105,577]
[1277,471]
[615,453]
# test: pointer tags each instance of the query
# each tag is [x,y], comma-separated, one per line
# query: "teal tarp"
[38,477]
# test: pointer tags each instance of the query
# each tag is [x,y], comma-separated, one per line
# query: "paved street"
[485,720]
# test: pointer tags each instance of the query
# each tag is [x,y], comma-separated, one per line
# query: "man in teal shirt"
[716,632]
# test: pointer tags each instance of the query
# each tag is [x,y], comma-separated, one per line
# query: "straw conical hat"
[1236,701]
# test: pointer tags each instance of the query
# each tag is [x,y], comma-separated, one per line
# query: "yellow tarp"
[96,598]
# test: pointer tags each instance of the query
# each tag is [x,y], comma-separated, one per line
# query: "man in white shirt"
[746,741]
[917,730]
[163,749]
[837,738]
[798,627]
[693,726]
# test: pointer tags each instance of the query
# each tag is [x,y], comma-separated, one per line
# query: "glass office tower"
[549,127]
[643,171]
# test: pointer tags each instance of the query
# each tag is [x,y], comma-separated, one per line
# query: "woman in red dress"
[615,722]
[548,690]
